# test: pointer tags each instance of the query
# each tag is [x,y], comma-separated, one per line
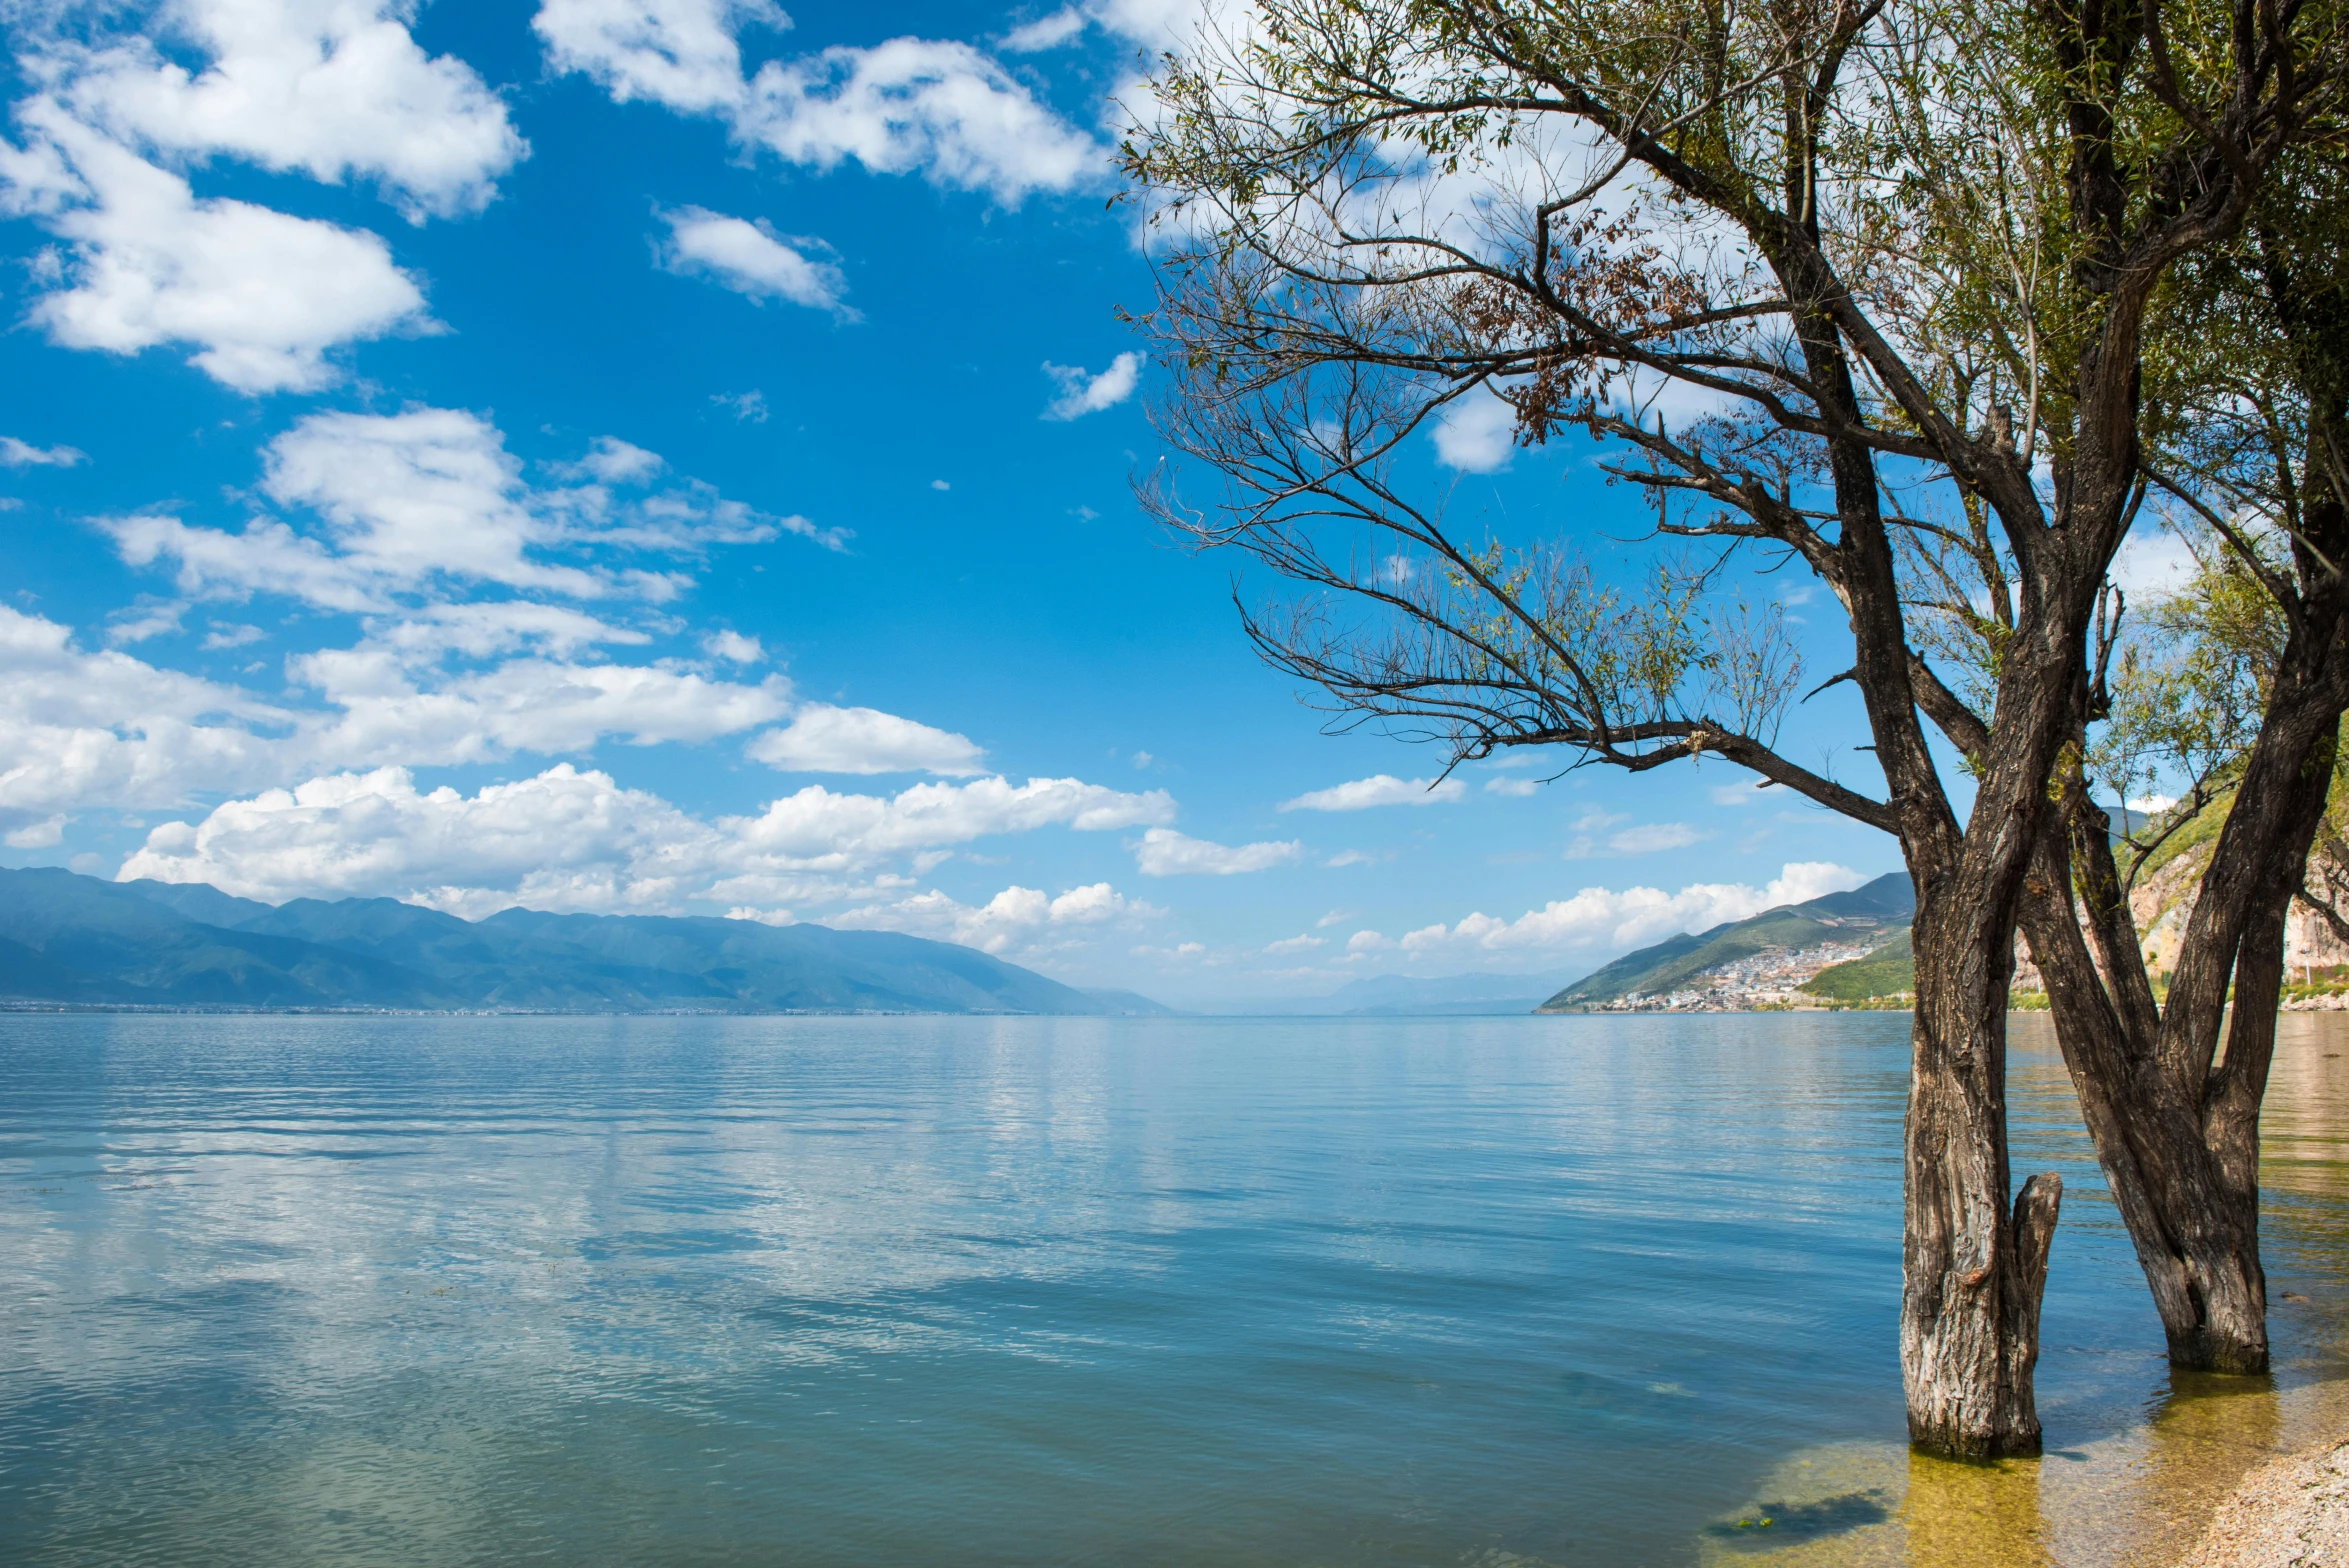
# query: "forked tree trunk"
[1974,1262]
[2176,1127]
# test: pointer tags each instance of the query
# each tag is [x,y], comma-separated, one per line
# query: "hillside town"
[1771,979]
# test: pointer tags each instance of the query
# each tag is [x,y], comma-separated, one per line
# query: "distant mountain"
[1129,1004]
[1867,915]
[77,940]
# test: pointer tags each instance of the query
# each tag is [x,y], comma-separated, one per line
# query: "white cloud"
[431,497]
[681,53]
[816,829]
[1380,789]
[335,88]
[145,620]
[749,258]
[2153,561]
[573,839]
[224,636]
[1295,944]
[1046,32]
[1600,917]
[612,461]
[491,628]
[262,296]
[824,739]
[2152,805]
[917,105]
[733,647]
[1349,857]
[1476,433]
[932,107]
[1017,917]
[1515,787]
[749,408]
[81,729]
[1163,852]
[44,834]
[1734,794]
[1082,394]
[19,454]
[524,705]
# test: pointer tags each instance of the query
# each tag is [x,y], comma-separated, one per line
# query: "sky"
[677,457]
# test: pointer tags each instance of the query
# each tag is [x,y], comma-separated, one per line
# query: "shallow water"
[1590,1291]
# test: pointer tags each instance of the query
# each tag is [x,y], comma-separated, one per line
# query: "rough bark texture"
[2175,1122]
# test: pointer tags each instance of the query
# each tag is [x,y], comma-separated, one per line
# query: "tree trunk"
[2176,1130]
[1974,1263]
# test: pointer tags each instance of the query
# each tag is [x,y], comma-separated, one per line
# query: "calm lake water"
[1574,1291]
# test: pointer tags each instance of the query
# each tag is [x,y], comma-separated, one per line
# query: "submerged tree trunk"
[1974,1262]
[2176,1127]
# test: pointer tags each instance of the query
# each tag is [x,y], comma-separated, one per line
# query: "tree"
[2246,685]
[1895,249]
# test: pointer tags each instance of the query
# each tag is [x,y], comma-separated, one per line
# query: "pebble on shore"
[2289,1513]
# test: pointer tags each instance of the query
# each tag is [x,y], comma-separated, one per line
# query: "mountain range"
[1870,916]
[76,940]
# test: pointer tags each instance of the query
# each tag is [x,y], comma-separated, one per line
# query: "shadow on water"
[1782,1523]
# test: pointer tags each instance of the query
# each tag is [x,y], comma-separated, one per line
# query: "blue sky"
[666,456]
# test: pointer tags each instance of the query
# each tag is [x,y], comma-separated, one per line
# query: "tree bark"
[2176,1129]
[1974,1262]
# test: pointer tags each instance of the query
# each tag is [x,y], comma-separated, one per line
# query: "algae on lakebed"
[2137,1499]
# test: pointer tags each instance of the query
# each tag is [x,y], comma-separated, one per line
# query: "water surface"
[1589,1291]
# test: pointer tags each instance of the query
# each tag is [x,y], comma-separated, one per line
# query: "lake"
[1497,1292]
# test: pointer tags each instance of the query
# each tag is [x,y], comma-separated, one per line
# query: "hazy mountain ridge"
[1868,916]
[76,940]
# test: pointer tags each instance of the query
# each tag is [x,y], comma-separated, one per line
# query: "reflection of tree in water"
[2137,1499]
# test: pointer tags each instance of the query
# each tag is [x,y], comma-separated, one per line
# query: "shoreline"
[2291,1512]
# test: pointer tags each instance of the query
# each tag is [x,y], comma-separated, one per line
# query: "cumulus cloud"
[262,296]
[915,105]
[1380,789]
[931,107]
[522,705]
[430,498]
[44,834]
[20,454]
[733,647]
[1163,852]
[1475,433]
[93,729]
[337,89]
[824,739]
[679,53]
[88,729]
[750,258]
[573,839]
[1600,917]
[1509,786]
[1016,918]
[1082,394]
[2153,561]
